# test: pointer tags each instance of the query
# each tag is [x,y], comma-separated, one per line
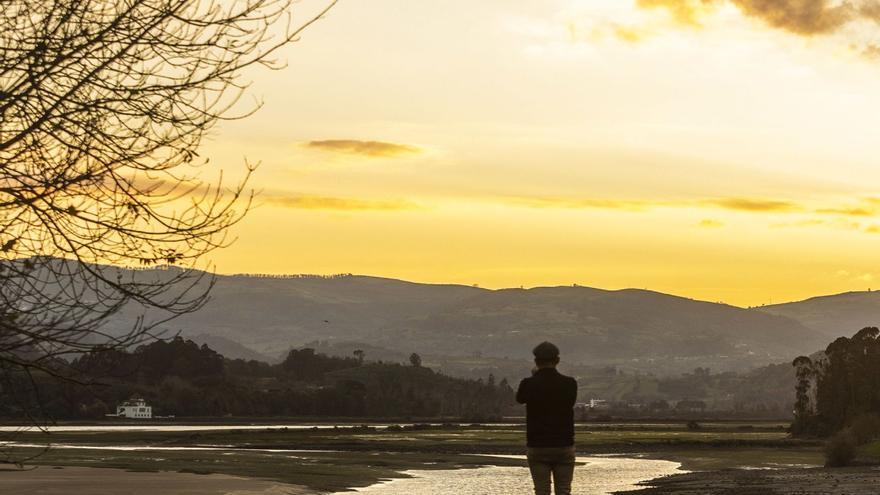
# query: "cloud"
[867,207]
[838,214]
[754,205]
[630,34]
[309,202]
[375,149]
[801,17]
[683,11]
[854,211]
[583,203]
[710,223]
[840,223]
[870,51]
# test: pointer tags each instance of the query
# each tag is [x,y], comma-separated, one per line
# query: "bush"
[840,449]
[866,428]
[693,425]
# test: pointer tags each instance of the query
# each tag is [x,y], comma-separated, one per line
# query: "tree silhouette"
[103,106]
[415,360]
[840,388]
[805,371]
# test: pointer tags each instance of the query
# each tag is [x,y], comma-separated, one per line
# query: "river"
[597,476]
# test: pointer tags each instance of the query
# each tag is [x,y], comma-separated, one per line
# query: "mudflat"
[48,480]
[813,481]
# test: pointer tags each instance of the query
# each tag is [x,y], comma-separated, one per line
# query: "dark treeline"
[180,378]
[838,395]
[837,388]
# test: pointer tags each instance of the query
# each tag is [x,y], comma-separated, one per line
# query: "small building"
[597,404]
[135,408]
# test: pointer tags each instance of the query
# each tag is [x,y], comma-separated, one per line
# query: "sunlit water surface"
[207,427]
[598,476]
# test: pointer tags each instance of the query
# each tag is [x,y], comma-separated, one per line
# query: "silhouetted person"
[549,398]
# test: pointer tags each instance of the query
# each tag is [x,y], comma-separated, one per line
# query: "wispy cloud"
[754,205]
[853,211]
[310,202]
[683,11]
[376,149]
[709,223]
[839,223]
[863,207]
[582,203]
[866,207]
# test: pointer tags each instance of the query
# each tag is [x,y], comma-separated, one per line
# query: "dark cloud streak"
[375,149]
[754,205]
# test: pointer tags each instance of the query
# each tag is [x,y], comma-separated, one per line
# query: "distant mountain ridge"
[836,315]
[643,329]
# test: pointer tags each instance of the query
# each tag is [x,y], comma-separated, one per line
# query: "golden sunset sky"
[719,150]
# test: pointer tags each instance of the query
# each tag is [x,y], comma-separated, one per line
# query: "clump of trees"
[838,394]
[838,387]
[182,378]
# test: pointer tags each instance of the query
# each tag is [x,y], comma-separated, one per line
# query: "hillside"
[271,315]
[641,329]
[835,316]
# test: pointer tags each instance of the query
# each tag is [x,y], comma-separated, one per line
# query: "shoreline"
[792,481]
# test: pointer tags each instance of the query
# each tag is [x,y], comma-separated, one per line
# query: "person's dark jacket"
[549,398]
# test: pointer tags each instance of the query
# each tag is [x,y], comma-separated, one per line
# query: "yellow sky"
[707,149]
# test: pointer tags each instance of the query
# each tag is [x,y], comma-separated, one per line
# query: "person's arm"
[572,393]
[522,395]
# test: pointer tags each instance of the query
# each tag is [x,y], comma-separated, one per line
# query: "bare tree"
[103,106]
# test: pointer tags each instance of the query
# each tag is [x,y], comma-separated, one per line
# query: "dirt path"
[47,480]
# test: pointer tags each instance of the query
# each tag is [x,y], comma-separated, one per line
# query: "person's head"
[546,355]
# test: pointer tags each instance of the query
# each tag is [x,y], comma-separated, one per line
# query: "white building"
[134,409]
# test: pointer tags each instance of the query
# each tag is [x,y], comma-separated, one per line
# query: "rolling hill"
[835,316]
[642,329]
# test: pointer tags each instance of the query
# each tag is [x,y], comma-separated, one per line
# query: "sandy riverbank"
[48,480]
[812,481]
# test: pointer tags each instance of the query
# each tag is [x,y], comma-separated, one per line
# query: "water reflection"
[598,476]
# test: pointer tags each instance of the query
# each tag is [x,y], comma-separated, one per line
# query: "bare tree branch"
[103,107]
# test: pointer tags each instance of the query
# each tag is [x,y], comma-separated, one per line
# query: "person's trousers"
[551,462]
